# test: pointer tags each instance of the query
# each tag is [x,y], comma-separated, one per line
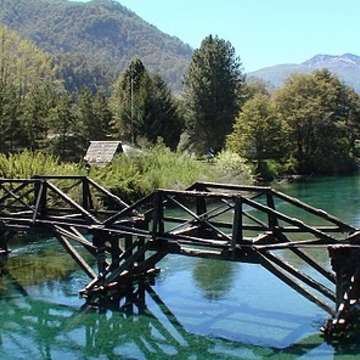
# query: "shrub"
[158,167]
[232,168]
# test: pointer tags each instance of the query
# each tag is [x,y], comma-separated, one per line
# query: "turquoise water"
[197,309]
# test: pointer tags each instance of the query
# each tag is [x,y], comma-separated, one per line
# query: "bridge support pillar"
[4,237]
[346,265]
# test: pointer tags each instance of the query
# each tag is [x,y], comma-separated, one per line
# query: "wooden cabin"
[101,153]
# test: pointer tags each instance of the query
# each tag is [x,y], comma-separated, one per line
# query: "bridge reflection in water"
[137,325]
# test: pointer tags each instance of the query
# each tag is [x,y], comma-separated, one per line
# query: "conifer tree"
[65,141]
[213,89]
[144,108]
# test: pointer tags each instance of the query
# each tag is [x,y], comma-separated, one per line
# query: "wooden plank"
[73,203]
[75,255]
[206,216]
[78,238]
[273,220]
[127,210]
[18,198]
[237,231]
[300,275]
[308,259]
[198,218]
[157,215]
[106,192]
[18,188]
[212,185]
[312,210]
[292,221]
[39,199]
[127,263]
[295,285]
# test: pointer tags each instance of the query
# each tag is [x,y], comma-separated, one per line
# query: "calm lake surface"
[197,309]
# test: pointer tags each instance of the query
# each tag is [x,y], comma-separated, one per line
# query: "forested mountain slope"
[101,33]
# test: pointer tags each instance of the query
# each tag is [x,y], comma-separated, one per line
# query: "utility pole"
[132,105]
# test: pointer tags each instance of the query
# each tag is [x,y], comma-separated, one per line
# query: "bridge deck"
[218,221]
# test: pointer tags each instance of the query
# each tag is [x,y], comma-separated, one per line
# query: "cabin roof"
[102,152]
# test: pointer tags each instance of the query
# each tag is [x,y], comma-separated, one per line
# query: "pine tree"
[103,116]
[36,106]
[127,101]
[213,89]
[167,122]
[65,141]
[144,108]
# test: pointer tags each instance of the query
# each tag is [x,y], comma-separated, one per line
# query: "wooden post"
[201,207]
[3,240]
[99,243]
[273,220]
[237,231]
[158,215]
[340,260]
[128,246]
[86,196]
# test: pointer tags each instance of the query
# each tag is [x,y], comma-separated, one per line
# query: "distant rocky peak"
[326,60]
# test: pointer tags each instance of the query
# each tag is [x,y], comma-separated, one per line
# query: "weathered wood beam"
[237,231]
[18,198]
[75,255]
[288,219]
[239,188]
[127,210]
[300,275]
[16,190]
[294,285]
[308,259]
[106,192]
[191,213]
[73,203]
[321,213]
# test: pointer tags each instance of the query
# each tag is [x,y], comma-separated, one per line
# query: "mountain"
[103,32]
[346,67]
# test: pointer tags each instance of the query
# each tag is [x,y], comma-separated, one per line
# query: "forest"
[309,126]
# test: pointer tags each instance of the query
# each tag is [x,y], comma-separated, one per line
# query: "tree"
[144,108]
[27,81]
[22,64]
[126,101]
[11,131]
[322,115]
[36,106]
[64,139]
[213,90]
[258,132]
[162,117]
[103,115]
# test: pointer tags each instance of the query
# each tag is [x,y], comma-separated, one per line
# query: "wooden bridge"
[249,224]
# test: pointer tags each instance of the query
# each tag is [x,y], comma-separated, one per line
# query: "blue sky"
[264,32]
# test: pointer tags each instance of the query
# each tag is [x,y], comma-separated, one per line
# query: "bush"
[232,168]
[27,164]
[138,175]
[135,176]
